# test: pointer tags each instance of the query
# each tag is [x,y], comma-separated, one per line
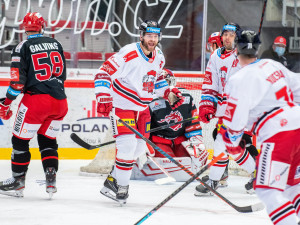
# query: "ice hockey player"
[223,63]
[214,42]
[38,70]
[264,97]
[128,81]
[182,140]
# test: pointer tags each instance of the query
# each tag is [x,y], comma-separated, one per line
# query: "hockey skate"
[223,182]
[114,191]
[249,185]
[50,181]
[201,190]
[13,186]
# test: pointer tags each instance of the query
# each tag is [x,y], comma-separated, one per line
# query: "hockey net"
[192,82]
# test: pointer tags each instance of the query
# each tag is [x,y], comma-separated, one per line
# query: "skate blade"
[18,193]
[201,194]
[250,192]
[107,192]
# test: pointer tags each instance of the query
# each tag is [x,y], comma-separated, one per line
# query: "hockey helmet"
[248,43]
[150,26]
[33,22]
[230,27]
[168,75]
[214,38]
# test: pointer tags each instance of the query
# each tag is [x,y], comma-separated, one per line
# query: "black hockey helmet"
[248,43]
[230,27]
[150,26]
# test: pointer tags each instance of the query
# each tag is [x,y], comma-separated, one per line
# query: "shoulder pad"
[19,46]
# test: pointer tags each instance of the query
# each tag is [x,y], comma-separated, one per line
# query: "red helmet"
[33,22]
[168,75]
[214,38]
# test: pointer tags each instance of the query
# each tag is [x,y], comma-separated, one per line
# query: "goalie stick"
[87,146]
[179,189]
[243,209]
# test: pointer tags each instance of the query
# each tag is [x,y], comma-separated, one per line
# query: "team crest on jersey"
[223,72]
[14,74]
[174,117]
[230,109]
[148,81]
[207,78]
[235,63]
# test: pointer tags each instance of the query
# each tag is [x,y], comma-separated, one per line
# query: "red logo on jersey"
[175,117]
[14,74]
[229,111]
[235,62]
[148,81]
[223,71]
[108,67]
[207,78]
[283,122]
[161,63]
[129,56]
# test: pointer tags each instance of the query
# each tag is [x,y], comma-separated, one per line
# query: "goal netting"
[192,82]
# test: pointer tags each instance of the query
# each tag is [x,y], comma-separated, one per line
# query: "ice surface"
[78,202]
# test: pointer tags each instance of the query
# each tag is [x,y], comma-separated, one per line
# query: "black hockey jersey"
[39,64]
[162,114]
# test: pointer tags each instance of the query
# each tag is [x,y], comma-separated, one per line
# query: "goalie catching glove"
[174,97]
[5,112]
[105,105]
[196,148]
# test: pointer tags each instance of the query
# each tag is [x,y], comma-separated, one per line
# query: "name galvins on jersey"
[134,77]
[263,97]
[219,68]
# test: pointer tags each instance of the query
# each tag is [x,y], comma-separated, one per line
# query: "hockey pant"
[243,159]
[278,177]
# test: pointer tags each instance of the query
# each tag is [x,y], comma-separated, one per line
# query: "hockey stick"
[179,189]
[172,124]
[87,146]
[164,180]
[243,209]
[262,17]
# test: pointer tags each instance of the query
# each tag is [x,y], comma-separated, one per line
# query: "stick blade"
[80,142]
[165,180]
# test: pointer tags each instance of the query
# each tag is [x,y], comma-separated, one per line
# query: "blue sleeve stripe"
[209,98]
[161,84]
[13,92]
[100,83]
[193,133]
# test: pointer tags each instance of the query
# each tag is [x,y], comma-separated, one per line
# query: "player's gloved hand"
[207,111]
[233,148]
[174,97]
[196,148]
[104,104]
[5,112]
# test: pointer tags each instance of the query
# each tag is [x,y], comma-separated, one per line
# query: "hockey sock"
[126,145]
[217,170]
[293,194]
[141,148]
[245,161]
[20,157]
[48,150]
[281,211]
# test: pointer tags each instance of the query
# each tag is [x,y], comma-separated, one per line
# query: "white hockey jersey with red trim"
[263,97]
[133,77]
[219,68]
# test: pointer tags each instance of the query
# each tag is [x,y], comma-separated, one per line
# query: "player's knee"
[126,145]
[45,142]
[20,144]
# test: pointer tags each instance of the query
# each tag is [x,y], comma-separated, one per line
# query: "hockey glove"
[207,111]
[174,97]
[5,112]
[104,104]
[236,146]
[196,148]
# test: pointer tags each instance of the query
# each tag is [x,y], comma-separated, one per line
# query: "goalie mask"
[168,75]
[33,22]
[248,43]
